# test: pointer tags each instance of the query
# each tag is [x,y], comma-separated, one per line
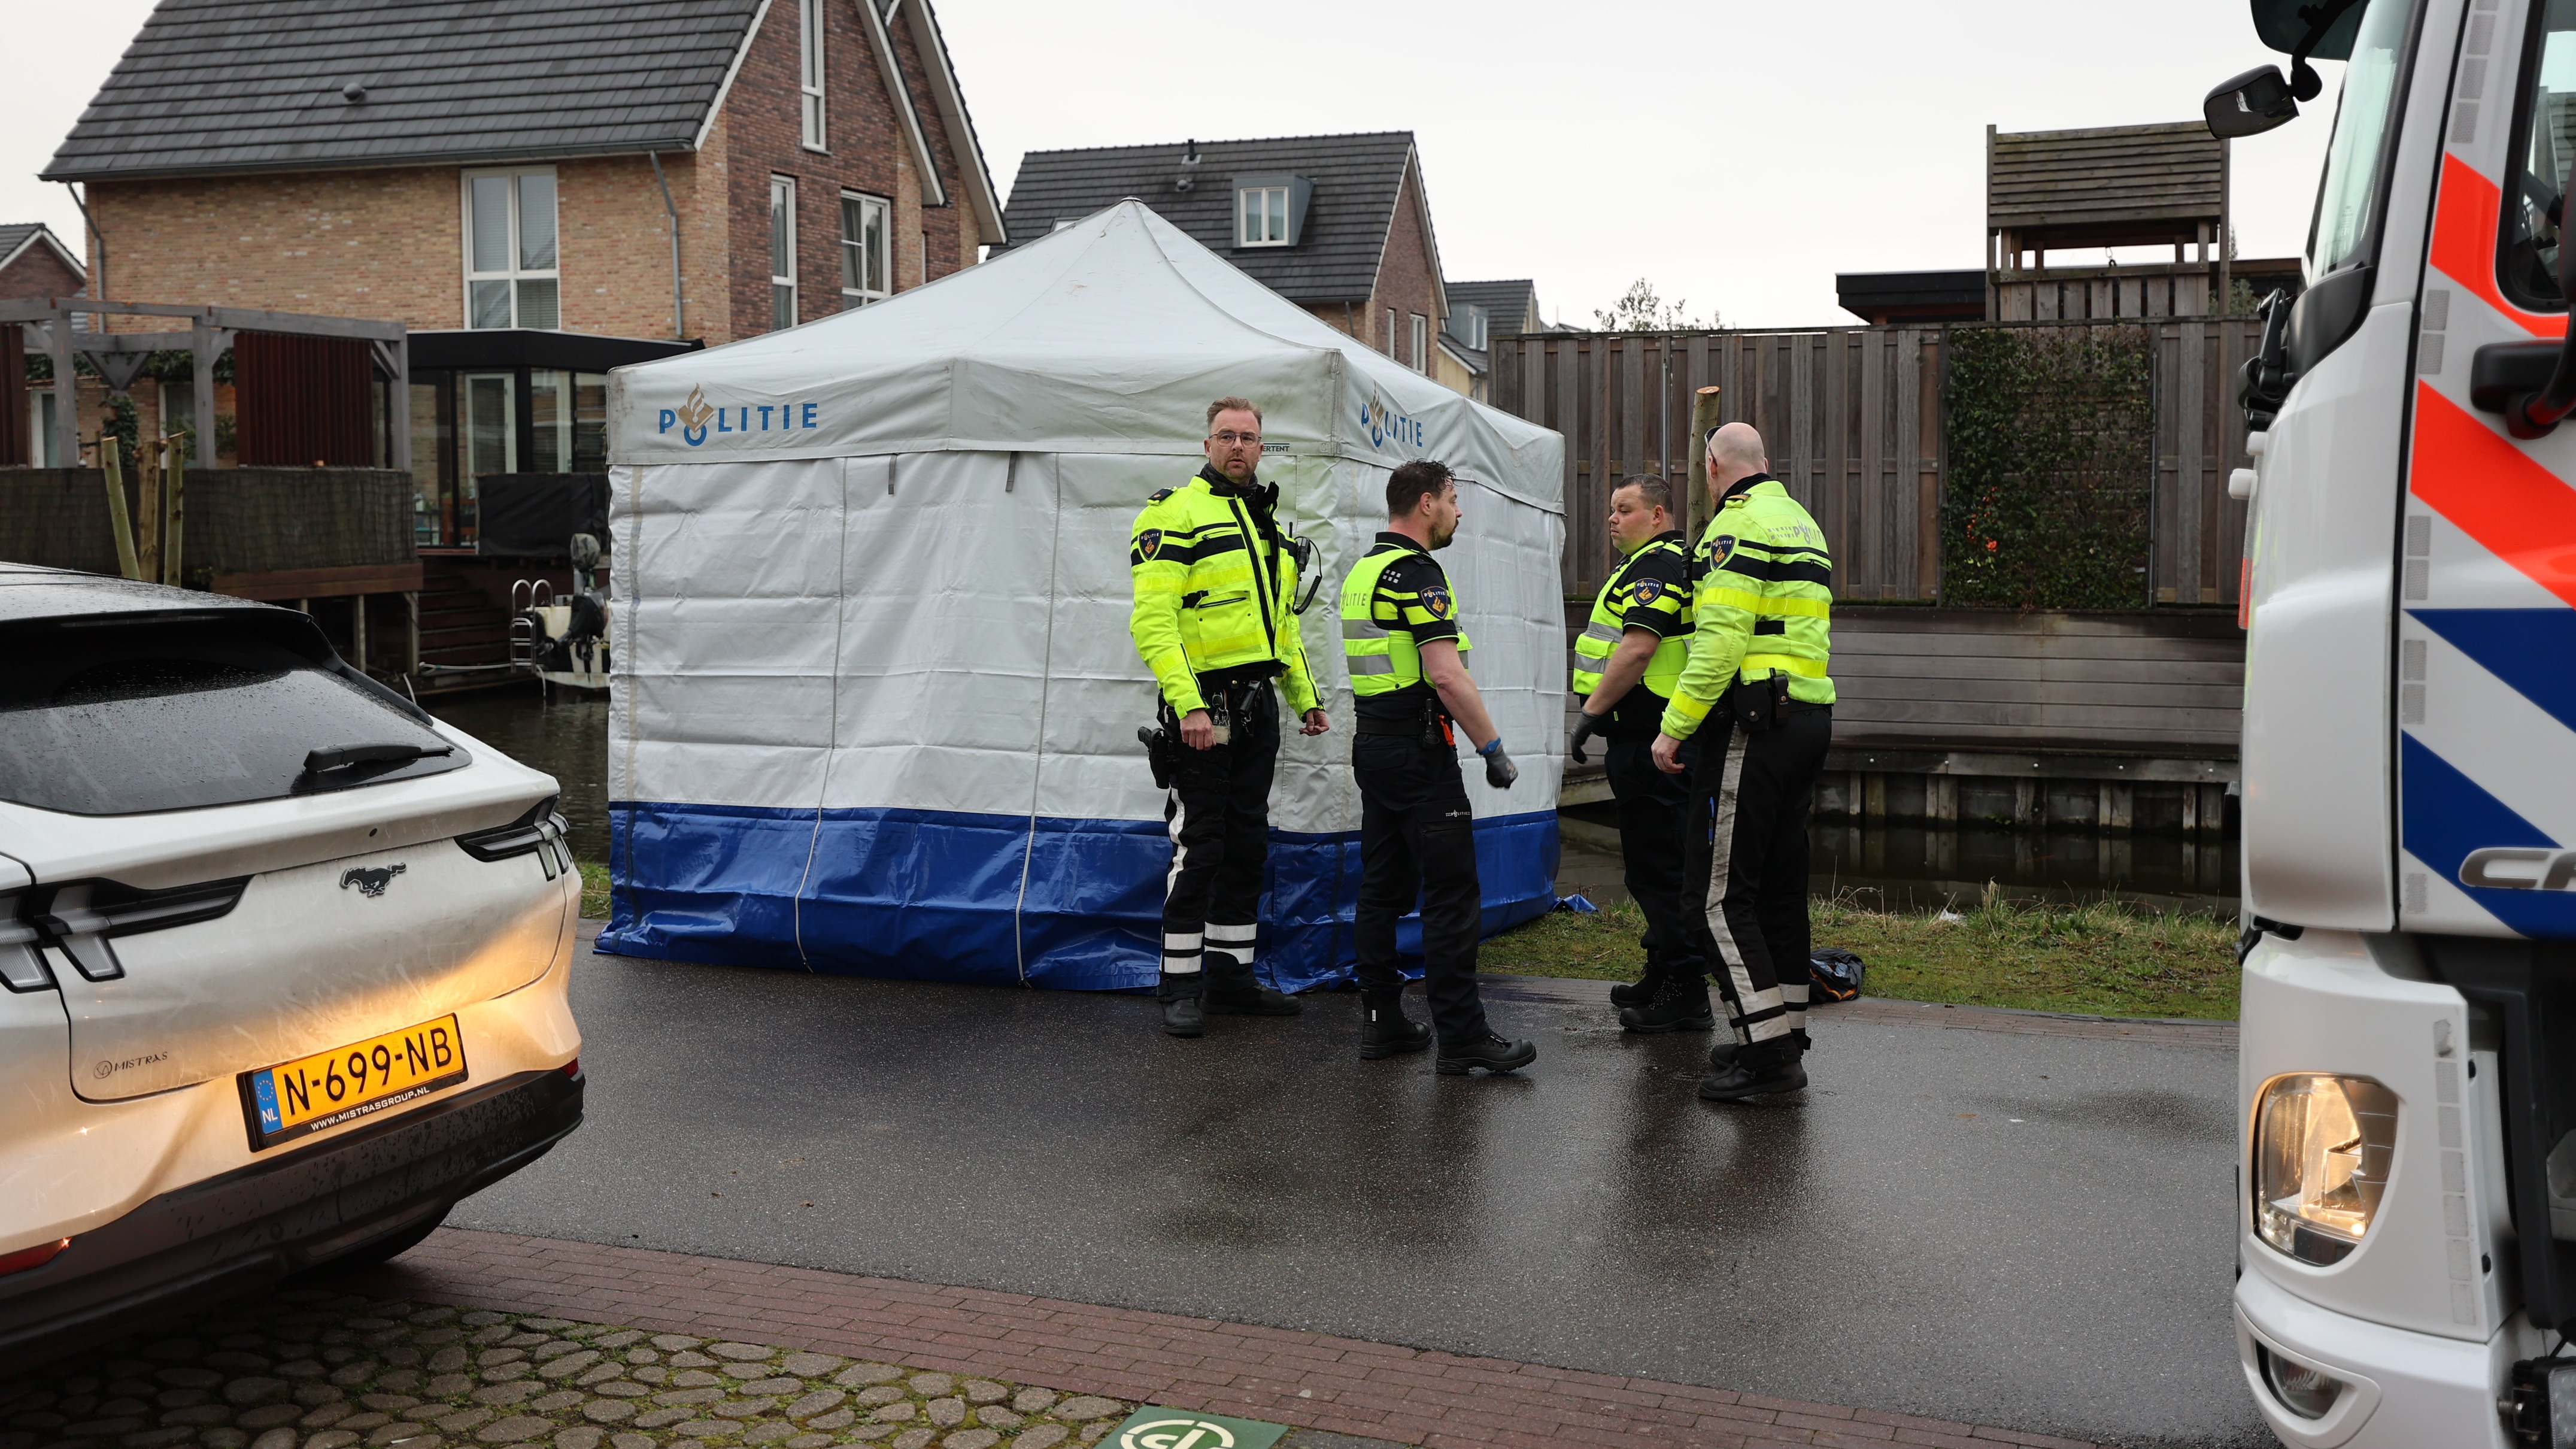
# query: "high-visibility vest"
[1210,595]
[1762,604]
[1382,657]
[1593,647]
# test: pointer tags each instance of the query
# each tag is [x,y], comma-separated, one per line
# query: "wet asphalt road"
[2025,1231]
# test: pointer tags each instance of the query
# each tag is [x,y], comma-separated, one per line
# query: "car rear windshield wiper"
[341,757]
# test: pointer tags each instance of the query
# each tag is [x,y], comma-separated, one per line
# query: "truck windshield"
[2346,230]
[2541,154]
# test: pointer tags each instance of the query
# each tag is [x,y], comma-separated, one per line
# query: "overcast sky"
[1735,154]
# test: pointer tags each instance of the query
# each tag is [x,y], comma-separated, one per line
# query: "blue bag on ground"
[1834,974]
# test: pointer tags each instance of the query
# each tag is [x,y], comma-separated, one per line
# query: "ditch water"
[1898,866]
[565,735]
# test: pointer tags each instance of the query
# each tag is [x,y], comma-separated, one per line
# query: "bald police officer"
[1756,697]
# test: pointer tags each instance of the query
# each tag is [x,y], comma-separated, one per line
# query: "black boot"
[1722,1056]
[1680,1004]
[1642,990]
[1233,991]
[1493,1054]
[1385,1031]
[1760,1070]
[1182,1015]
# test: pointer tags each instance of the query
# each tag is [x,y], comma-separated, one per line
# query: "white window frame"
[1421,340]
[513,273]
[43,445]
[1246,210]
[782,238]
[1390,332]
[809,35]
[883,281]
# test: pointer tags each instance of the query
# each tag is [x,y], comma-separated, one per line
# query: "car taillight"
[35,1257]
[80,918]
[540,833]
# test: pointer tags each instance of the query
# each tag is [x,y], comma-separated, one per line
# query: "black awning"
[526,347]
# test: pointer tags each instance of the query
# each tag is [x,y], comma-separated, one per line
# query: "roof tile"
[247,85]
[1357,180]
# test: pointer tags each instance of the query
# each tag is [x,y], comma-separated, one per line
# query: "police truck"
[2406,1197]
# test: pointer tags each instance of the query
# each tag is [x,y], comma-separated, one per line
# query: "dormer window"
[1270,211]
[1265,216]
[1467,323]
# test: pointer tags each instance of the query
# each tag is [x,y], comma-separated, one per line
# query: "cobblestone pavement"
[320,1369]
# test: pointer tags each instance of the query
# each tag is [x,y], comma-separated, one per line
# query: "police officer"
[1408,668]
[1215,577]
[1625,663]
[1756,697]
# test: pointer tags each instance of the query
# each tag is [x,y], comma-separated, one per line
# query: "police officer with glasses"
[1412,696]
[1625,664]
[1215,617]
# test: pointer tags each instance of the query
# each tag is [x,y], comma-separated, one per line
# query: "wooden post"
[358,629]
[147,512]
[174,462]
[411,653]
[1704,419]
[111,462]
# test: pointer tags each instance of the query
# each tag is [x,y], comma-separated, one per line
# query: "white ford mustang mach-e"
[284,958]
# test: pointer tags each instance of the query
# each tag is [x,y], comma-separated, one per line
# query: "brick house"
[1479,312]
[1339,225]
[33,263]
[542,192]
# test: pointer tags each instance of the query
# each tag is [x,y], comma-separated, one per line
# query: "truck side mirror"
[2536,414]
[2249,104]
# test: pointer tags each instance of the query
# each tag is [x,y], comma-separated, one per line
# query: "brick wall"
[388,243]
[1404,278]
[38,272]
[867,151]
[383,244]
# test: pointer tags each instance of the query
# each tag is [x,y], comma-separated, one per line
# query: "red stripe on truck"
[2475,477]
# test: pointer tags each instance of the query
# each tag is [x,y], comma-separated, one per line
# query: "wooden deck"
[2118,721]
[2165,684]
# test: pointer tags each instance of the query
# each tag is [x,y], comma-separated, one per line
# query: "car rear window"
[121,719]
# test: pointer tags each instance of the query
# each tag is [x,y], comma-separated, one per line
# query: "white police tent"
[875,706]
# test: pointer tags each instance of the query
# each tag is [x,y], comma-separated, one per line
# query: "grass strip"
[2103,957]
[594,890]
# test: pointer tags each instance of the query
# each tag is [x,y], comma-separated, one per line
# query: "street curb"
[1580,991]
[1342,1386]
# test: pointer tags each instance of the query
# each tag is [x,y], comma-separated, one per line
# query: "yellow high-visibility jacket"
[1212,596]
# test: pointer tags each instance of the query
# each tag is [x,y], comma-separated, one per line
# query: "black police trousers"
[1418,838]
[1746,854]
[1217,812]
[1652,807]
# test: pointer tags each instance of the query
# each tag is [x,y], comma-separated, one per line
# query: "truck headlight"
[2321,1149]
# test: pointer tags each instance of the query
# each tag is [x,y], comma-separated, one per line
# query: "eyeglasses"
[1230,437]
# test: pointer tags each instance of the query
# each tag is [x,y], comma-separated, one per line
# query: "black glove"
[1500,772]
[1585,727]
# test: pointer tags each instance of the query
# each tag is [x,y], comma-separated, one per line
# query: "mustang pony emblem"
[370,882]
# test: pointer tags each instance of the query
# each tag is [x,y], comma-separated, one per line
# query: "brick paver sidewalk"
[1341,1385]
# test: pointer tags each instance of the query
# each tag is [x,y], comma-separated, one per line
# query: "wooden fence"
[1853,417]
[239,520]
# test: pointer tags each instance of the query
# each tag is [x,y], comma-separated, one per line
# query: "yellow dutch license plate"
[298,1098]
